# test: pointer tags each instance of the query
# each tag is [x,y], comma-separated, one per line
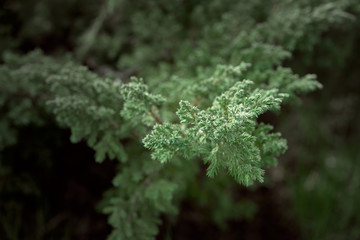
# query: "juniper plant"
[209,70]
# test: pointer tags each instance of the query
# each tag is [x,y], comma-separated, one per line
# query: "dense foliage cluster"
[163,87]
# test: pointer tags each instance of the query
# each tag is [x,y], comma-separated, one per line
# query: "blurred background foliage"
[49,188]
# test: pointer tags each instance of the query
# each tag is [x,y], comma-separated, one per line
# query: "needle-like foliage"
[189,83]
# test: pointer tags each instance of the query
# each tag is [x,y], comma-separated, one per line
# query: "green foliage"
[211,69]
[225,135]
[140,105]
[144,189]
[21,102]
[81,100]
[90,106]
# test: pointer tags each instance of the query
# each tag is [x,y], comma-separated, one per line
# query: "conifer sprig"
[210,71]
[226,135]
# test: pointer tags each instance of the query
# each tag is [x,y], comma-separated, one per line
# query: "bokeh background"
[50,188]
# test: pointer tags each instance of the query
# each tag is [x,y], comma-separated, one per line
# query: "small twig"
[196,101]
[135,198]
[114,125]
[157,118]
